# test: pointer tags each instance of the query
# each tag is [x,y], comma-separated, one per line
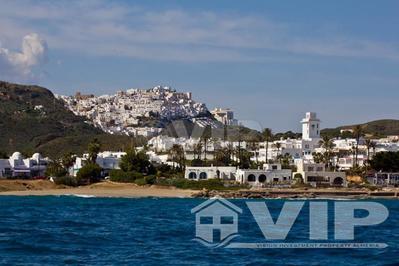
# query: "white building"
[18,166]
[310,134]
[211,172]
[272,173]
[224,116]
[316,174]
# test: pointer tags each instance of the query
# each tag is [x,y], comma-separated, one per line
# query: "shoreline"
[110,189]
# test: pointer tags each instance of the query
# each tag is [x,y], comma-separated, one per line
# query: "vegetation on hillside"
[33,120]
[378,128]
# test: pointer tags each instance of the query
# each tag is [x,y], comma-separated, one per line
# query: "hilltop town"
[135,111]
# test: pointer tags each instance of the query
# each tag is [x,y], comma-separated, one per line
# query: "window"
[227,220]
[203,175]
[310,169]
[206,220]
[274,167]
[251,178]
[319,169]
[192,175]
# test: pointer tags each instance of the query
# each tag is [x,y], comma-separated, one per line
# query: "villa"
[316,174]
[18,166]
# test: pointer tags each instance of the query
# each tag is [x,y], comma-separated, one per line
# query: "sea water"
[50,230]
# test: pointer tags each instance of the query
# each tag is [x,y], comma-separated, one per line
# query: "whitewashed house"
[316,174]
[18,166]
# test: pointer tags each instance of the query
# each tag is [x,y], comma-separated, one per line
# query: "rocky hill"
[126,111]
[32,119]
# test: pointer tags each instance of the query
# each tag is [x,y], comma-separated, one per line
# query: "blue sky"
[270,61]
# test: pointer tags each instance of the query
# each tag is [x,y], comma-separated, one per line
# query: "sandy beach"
[103,189]
[128,190]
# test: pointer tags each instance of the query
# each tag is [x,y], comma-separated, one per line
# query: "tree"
[55,169]
[385,161]
[135,161]
[197,151]
[177,155]
[358,133]
[254,146]
[93,148]
[68,160]
[278,146]
[318,157]
[245,158]
[369,145]
[223,157]
[89,173]
[267,136]
[205,138]
[328,145]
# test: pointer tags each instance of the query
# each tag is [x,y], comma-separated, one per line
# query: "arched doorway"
[338,181]
[203,175]
[251,178]
[192,175]
[262,178]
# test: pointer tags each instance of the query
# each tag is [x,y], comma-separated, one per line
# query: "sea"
[85,230]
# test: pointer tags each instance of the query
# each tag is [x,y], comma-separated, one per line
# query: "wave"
[80,195]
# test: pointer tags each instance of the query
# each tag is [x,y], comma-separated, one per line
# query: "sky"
[269,61]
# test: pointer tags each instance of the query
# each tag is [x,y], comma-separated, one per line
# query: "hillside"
[378,128]
[32,119]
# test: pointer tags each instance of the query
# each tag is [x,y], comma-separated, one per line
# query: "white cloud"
[104,28]
[19,66]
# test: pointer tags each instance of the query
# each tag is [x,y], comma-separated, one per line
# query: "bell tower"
[310,126]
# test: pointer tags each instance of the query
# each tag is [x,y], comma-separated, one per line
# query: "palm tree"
[93,148]
[197,151]
[368,146]
[267,136]
[205,138]
[278,146]
[358,133]
[373,146]
[177,156]
[328,145]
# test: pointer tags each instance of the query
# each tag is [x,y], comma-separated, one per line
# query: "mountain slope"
[32,119]
[378,128]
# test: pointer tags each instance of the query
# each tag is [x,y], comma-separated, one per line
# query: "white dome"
[106,154]
[36,156]
[16,156]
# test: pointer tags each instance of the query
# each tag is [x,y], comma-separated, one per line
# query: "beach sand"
[103,189]
[129,190]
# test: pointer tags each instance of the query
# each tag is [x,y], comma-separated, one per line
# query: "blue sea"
[52,230]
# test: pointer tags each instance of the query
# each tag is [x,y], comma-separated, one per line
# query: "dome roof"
[16,156]
[36,156]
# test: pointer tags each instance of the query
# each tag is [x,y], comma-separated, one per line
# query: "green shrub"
[210,184]
[88,174]
[140,182]
[66,180]
[150,179]
[124,177]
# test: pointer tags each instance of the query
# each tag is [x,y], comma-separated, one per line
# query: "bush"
[66,180]
[88,174]
[150,179]
[124,177]
[210,184]
[140,182]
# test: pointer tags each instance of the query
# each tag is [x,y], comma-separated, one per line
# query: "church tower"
[310,127]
